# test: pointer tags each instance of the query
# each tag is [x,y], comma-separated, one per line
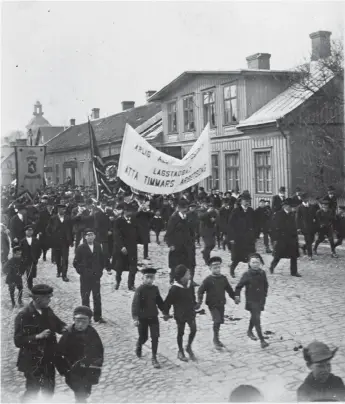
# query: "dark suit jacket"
[179,232]
[284,233]
[306,218]
[30,254]
[125,235]
[87,263]
[61,234]
[17,227]
[27,325]
[102,226]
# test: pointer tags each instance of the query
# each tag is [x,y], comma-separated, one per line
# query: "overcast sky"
[74,56]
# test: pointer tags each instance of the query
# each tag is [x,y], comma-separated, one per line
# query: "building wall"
[8,168]
[246,146]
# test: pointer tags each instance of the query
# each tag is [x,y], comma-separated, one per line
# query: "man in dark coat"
[31,252]
[215,199]
[83,219]
[332,199]
[125,251]
[208,231]
[241,232]
[262,223]
[306,223]
[285,238]
[59,230]
[45,214]
[296,200]
[143,220]
[103,229]
[17,225]
[325,227]
[82,355]
[180,240]
[89,263]
[224,217]
[166,211]
[277,200]
[35,329]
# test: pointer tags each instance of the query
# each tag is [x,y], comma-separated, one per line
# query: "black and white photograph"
[172,201]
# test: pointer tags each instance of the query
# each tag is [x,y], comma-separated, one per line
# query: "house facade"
[255,145]
[68,153]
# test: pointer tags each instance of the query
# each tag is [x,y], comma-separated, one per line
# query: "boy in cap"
[246,393]
[325,226]
[255,282]
[215,286]
[89,262]
[81,354]
[181,296]
[157,224]
[145,314]
[208,231]
[35,329]
[13,269]
[31,252]
[262,223]
[320,384]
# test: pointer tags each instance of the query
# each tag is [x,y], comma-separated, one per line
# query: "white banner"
[145,168]
[29,168]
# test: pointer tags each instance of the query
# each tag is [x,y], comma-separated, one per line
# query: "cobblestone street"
[298,310]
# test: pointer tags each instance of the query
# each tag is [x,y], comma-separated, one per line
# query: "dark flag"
[105,173]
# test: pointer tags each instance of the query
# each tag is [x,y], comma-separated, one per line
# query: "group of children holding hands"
[147,300]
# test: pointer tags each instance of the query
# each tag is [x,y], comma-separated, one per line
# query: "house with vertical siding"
[255,144]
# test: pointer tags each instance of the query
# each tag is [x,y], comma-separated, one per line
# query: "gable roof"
[107,129]
[46,133]
[37,121]
[290,99]
[187,75]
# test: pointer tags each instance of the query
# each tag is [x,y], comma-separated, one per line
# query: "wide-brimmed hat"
[317,352]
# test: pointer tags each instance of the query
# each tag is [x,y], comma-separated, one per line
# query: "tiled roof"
[106,129]
[46,133]
[289,100]
[37,121]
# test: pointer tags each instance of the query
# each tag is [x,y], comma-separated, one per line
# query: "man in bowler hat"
[35,329]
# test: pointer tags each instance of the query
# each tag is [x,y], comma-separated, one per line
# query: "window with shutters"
[263,172]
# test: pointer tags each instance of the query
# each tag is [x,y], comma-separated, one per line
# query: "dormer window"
[230,104]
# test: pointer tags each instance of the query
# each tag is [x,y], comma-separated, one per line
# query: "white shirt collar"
[182,215]
[181,286]
[91,246]
[61,218]
[305,204]
[29,240]
[20,216]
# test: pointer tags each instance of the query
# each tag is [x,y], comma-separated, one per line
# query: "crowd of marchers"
[105,235]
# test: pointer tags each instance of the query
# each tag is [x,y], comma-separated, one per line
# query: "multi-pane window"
[57,174]
[263,172]
[209,108]
[213,181]
[188,114]
[230,104]
[172,117]
[232,170]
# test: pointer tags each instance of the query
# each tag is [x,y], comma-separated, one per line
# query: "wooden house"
[256,142]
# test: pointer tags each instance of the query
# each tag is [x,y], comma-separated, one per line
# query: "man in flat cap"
[82,354]
[306,223]
[277,200]
[89,262]
[104,228]
[31,252]
[35,329]
[285,237]
[296,200]
[320,384]
[60,230]
[241,232]
[179,237]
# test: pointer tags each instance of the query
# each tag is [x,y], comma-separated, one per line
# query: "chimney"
[127,105]
[149,94]
[21,142]
[259,61]
[12,144]
[320,45]
[72,122]
[95,113]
